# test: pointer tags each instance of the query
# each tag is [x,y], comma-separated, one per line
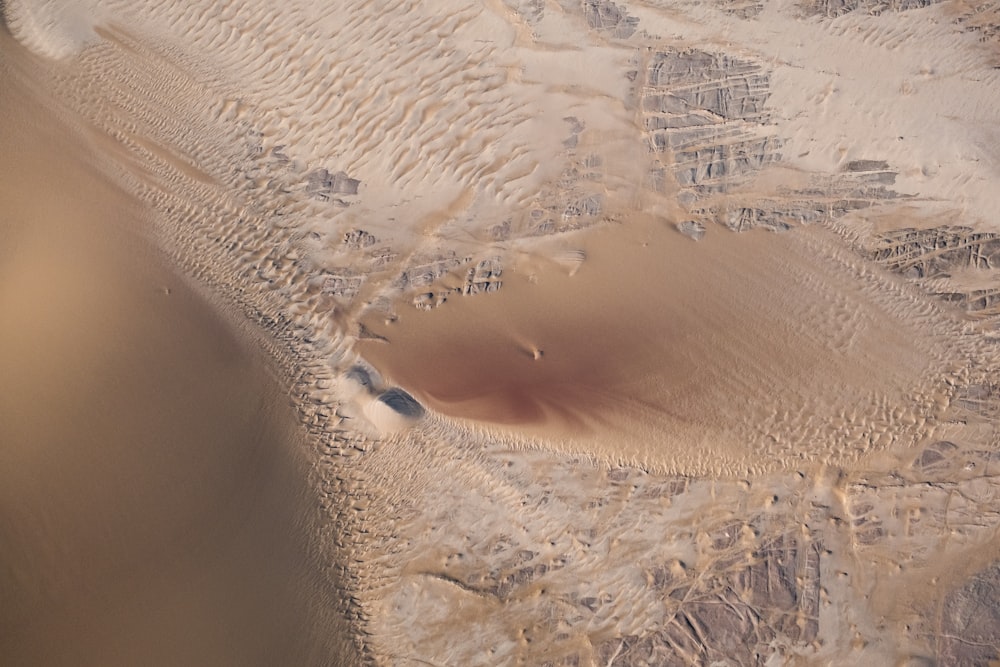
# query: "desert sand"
[525,332]
[152,502]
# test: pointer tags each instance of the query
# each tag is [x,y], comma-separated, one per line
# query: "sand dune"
[620,333]
[153,505]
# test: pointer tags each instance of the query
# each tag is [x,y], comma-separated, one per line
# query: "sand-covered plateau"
[520,332]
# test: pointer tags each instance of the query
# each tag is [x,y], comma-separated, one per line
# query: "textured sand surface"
[153,504]
[637,364]
[639,333]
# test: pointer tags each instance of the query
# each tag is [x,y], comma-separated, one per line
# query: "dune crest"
[154,502]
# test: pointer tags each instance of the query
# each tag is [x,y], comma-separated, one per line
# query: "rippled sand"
[729,349]
[529,332]
[153,502]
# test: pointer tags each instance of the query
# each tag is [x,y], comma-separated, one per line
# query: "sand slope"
[153,503]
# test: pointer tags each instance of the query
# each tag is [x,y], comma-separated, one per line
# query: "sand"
[611,333]
[726,354]
[153,508]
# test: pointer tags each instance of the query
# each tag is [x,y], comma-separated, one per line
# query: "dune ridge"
[155,507]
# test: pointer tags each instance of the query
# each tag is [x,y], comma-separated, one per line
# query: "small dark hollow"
[402,402]
[361,376]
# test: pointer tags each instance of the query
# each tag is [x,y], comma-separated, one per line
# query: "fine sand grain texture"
[615,333]
[153,502]
[727,354]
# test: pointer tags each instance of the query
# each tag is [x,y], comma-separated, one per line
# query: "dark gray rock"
[610,18]
[866,165]
[692,229]
[970,622]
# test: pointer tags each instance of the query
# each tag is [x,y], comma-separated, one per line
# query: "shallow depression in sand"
[722,343]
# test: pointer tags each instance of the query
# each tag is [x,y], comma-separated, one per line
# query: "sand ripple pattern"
[745,441]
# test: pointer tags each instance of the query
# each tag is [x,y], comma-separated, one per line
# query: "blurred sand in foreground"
[150,511]
[624,333]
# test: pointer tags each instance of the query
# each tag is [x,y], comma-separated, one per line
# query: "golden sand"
[152,509]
